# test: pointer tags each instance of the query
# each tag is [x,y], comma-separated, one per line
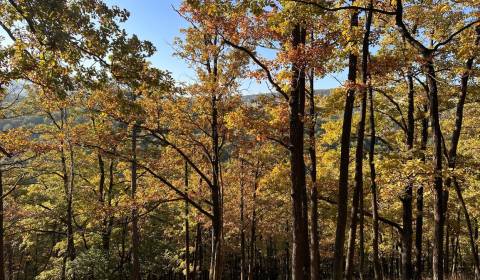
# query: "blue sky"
[157,21]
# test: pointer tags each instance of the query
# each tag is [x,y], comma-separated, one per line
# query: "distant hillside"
[251,97]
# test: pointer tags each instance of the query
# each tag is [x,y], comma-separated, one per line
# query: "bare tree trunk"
[198,253]
[439,217]
[2,233]
[452,154]
[253,228]
[242,223]
[419,217]
[407,236]
[338,261]
[108,221]
[358,187]
[471,239]
[314,239]
[216,264]
[135,273]
[300,250]
[68,183]
[361,235]
[446,262]
[187,229]
[377,270]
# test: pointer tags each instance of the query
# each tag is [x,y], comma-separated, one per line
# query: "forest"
[111,168]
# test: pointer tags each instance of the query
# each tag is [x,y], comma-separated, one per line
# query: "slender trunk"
[216,264]
[242,223]
[314,242]
[452,154]
[377,270]
[198,252]
[108,220]
[300,250]
[2,233]
[135,273]
[187,229]
[101,182]
[101,199]
[253,228]
[407,217]
[358,187]
[68,180]
[361,235]
[446,262]
[437,261]
[471,237]
[419,205]
[338,262]
[455,256]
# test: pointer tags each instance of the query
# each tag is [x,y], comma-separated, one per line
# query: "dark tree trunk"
[197,260]
[253,229]
[300,250]
[2,233]
[242,223]
[419,217]
[452,154]
[108,220]
[338,262]
[377,270]
[471,237]
[361,235]
[407,217]
[216,264]
[68,180]
[135,273]
[437,261]
[446,263]
[358,187]
[187,228]
[314,239]
[217,258]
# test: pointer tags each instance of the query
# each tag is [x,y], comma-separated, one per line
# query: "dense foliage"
[111,169]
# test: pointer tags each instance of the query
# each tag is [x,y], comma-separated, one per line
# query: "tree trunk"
[216,264]
[338,262]
[446,262]
[253,228]
[2,233]
[437,261]
[300,250]
[187,229]
[242,223]
[471,238]
[358,187]
[198,253]
[452,154]
[407,217]
[135,273]
[108,221]
[361,236]
[419,217]
[68,180]
[314,239]
[377,270]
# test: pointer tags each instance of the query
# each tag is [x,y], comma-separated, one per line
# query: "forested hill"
[32,119]
[113,167]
